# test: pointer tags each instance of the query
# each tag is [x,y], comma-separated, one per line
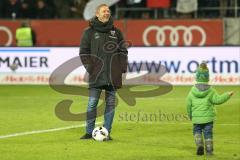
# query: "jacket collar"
[100,26]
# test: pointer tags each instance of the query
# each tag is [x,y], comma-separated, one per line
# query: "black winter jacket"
[103,54]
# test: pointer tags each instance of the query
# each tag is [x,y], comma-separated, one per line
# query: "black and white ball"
[100,133]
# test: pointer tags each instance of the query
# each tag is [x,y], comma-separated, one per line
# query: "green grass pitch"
[155,128]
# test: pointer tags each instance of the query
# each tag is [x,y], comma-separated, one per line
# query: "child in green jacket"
[200,107]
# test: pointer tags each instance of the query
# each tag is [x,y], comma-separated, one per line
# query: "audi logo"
[9,33]
[174,35]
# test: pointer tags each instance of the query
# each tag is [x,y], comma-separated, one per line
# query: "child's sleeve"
[219,99]
[189,106]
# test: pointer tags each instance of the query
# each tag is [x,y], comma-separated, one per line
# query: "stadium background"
[159,35]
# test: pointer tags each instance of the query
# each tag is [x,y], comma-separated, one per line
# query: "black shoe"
[86,136]
[200,150]
[109,138]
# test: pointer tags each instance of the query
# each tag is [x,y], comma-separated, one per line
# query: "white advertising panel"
[35,65]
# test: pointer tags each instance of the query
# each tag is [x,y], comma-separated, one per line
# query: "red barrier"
[7,32]
[139,32]
[158,4]
[58,33]
[175,33]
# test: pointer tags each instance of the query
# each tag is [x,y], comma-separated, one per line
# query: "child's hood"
[200,93]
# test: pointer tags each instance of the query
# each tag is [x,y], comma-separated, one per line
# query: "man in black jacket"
[104,56]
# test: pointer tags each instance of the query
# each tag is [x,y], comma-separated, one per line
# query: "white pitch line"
[83,125]
[164,123]
[42,131]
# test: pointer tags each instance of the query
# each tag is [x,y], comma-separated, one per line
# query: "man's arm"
[85,50]
[123,52]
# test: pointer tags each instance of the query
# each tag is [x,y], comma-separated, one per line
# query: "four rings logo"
[9,34]
[174,35]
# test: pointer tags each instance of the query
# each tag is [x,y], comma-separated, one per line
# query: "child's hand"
[230,93]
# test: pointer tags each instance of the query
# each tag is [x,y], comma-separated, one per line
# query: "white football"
[100,133]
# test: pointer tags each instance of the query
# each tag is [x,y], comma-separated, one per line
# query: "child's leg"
[197,132]
[208,137]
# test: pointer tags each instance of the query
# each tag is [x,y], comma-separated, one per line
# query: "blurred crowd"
[144,9]
[42,9]
[179,8]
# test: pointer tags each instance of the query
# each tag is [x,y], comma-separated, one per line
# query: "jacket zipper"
[107,65]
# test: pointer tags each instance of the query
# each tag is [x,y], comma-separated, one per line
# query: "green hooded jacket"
[200,104]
